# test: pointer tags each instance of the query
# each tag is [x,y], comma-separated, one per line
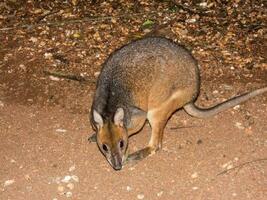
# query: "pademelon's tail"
[195,111]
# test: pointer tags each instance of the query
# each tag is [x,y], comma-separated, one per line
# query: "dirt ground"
[50,55]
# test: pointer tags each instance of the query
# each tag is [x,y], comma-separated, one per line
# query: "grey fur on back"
[135,68]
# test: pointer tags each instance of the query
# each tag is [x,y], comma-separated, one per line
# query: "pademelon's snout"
[116,161]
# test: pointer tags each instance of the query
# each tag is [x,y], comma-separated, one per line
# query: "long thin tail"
[195,111]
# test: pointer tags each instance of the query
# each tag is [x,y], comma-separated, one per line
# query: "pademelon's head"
[112,137]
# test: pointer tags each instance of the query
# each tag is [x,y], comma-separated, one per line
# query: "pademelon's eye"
[105,147]
[121,143]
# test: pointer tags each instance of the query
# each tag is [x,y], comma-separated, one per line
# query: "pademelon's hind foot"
[92,138]
[140,155]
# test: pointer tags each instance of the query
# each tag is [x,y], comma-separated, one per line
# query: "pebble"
[33,39]
[191,20]
[75,178]
[228,165]
[140,196]
[53,78]
[128,188]
[9,182]
[227,87]
[96,74]
[1,104]
[69,194]
[70,186]
[236,107]
[60,188]
[239,125]
[22,67]
[159,193]
[203,4]
[66,179]
[48,55]
[194,175]
[195,188]
[61,130]
[72,168]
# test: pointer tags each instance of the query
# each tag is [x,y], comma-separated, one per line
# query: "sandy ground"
[44,126]
[45,155]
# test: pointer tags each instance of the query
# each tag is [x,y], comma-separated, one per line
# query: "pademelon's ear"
[118,117]
[97,118]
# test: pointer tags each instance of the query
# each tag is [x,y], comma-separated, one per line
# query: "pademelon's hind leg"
[157,125]
[92,138]
[158,118]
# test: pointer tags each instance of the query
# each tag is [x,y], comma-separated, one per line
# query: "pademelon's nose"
[117,162]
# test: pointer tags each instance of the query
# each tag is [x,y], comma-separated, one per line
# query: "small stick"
[68,76]
[86,19]
[241,165]
[181,127]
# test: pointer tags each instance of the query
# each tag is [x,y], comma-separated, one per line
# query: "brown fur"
[147,79]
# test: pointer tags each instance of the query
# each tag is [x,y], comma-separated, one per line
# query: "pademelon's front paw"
[139,155]
[92,138]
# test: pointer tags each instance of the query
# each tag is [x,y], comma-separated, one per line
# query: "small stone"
[53,78]
[128,188]
[9,182]
[48,55]
[191,20]
[140,196]
[194,175]
[75,178]
[228,165]
[72,168]
[96,74]
[195,188]
[236,107]
[22,67]
[70,186]
[60,188]
[68,194]
[215,92]
[33,39]
[60,130]
[159,193]
[203,4]
[227,87]
[66,179]
[239,125]
[27,177]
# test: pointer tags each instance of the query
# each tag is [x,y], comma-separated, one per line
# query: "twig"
[241,165]
[182,127]
[68,76]
[40,18]
[86,19]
